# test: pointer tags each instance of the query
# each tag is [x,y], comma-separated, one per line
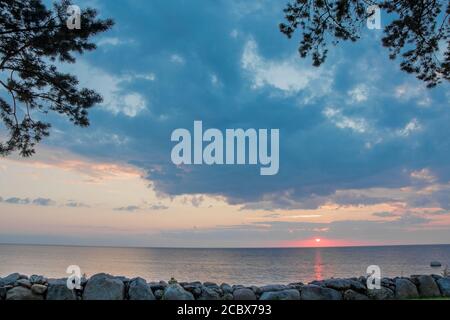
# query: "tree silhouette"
[418,32]
[33,40]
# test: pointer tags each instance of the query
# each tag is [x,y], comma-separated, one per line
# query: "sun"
[317,240]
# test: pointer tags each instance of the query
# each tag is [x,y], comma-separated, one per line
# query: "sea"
[252,266]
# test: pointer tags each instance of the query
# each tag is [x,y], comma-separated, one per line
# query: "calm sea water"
[234,266]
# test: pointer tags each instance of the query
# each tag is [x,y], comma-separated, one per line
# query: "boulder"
[159,294]
[38,289]
[427,286]
[11,279]
[176,292]
[3,291]
[35,279]
[228,296]
[344,284]
[444,286]
[405,289]
[208,293]
[57,290]
[380,294]
[288,294]
[140,290]
[273,287]
[226,288]
[103,286]
[354,295]
[195,289]
[244,294]
[435,264]
[314,292]
[23,283]
[22,293]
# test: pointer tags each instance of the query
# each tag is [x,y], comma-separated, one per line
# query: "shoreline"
[103,286]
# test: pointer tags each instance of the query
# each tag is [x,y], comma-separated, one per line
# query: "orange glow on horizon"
[323,242]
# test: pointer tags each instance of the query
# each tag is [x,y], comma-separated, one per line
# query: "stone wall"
[107,287]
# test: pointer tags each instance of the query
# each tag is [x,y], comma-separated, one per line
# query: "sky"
[364,148]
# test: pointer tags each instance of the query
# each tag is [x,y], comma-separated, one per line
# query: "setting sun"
[317,240]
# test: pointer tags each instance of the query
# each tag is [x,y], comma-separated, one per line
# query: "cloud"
[43,202]
[343,122]
[75,204]
[131,208]
[117,99]
[290,75]
[176,58]
[16,200]
[359,93]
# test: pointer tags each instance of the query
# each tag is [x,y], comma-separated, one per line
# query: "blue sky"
[355,132]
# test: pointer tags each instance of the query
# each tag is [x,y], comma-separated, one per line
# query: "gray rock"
[159,294]
[226,288]
[228,296]
[195,289]
[256,290]
[38,288]
[288,294]
[57,290]
[380,294]
[103,286]
[435,264]
[23,283]
[140,290]
[314,292]
[273,287]
[405,289]
[22,293]
[210,284]
[344,284]
[11,279]
[3,291]
[208,293]
[176,292]
[427,286]
[354,295]
[444,286]
[156,286]
[244,294]
[36,279]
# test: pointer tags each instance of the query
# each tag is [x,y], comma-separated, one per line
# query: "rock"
[405,289]
[210,284]
[427,286]
[444,286]
[195,289]
[22,293]
[23,283]
[208,293]
[256,290]
[140,290]
[354,295]
[273,287]
[244,294]
[380,294]
[288,294]
[228,296]
[226,288]
[103,286]
[159,294]
[11,279]
[57,290]
[314,292]
[344,284]
[156,286]
[38,289]
[435,264]
[3,291]
[176,292]
[35,279]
